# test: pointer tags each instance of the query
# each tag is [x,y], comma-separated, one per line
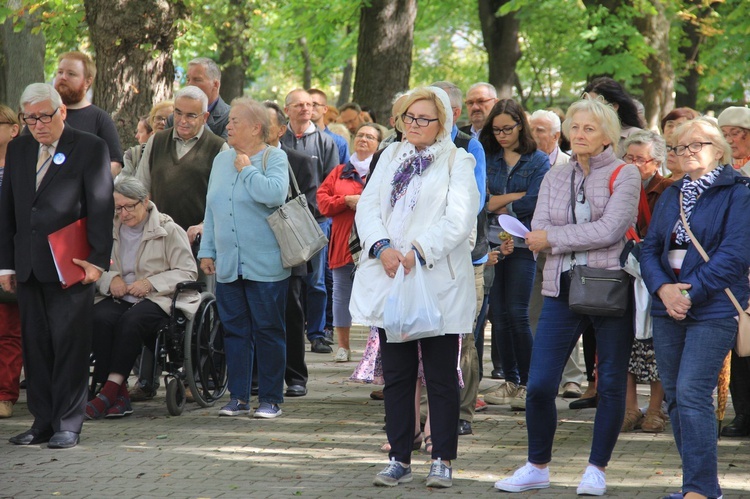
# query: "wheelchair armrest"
[190,285]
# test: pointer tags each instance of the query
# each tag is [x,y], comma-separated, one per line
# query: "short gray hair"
[212,69]
[543,114]
[40,92]
[131,188]
[280,116]
[489,86]
[647,137]
[193,93]
[602,112]
[256,113]
[454,93]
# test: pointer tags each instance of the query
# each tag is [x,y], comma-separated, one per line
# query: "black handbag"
[598,292]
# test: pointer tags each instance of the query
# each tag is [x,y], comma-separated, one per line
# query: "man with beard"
[75,74]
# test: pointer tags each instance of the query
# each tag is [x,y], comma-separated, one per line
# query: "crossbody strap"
[705,255]
[644,212]
[293,187]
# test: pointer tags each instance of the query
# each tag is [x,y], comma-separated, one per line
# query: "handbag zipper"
[610,279]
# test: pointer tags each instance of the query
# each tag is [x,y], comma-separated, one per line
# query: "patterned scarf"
[413,165]
[691,189]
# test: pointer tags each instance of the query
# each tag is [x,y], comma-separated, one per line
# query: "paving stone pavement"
[326,444]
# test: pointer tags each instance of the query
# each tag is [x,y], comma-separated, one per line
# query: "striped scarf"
[691,189]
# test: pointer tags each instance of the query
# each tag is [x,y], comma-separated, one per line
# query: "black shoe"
[464,427]
[497,374]
[63,440]
[587,403]
[318,345]
[31,437]
[296,391]
[22,384]
[253,389]
[740,427]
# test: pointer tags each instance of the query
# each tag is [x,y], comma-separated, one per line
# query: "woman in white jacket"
[419,208]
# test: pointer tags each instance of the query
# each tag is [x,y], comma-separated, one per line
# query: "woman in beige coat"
[150,256]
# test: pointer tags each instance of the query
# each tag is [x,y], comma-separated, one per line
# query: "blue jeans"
[556,335]
[315,289]
[252,314]
[479,334]
[689,355]
[509,313]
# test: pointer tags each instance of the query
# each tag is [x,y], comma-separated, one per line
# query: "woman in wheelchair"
[150,256]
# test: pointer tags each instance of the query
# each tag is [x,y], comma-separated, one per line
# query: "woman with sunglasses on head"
[419,208]
[515,169]
[694,319]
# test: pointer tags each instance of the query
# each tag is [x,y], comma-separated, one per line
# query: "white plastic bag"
[411,309]
[642,320]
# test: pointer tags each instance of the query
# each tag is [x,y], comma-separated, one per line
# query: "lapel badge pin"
[58,158]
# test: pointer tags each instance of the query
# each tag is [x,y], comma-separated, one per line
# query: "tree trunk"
[386,37]
[307,69]
[133,41]
[500,35]
[658,84]
[21,58]
[234,56]
[687,96]
[346,83]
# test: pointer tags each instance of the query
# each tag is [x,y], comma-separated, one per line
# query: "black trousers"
[120,330]
[739,384]
[56,338]
[296,368]
[400,365]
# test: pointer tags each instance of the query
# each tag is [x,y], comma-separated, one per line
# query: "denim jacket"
[526,176]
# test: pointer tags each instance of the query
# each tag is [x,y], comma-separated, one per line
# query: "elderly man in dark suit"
[53,177]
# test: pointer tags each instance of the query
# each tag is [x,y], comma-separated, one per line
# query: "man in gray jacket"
[302,135]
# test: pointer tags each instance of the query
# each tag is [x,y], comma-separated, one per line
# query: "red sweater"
[342,181]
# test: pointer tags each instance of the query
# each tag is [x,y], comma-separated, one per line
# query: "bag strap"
[293,187]
[644,212]
[705,255]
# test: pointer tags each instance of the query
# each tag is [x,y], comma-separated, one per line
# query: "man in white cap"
[735,125]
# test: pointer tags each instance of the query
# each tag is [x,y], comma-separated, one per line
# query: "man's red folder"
[67,243]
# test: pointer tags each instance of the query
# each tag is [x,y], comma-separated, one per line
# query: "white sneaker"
[342,355]
[503,394]
[525,478]
[519,401]
[593,482]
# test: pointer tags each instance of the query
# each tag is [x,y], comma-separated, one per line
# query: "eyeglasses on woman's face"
[633,160]
[365,136]
[506,130]
[693,147]
[408,119]
[127,207]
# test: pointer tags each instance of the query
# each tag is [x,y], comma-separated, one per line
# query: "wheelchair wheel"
[175,396]
[205,357]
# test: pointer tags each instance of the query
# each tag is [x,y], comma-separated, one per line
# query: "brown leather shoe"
[138,394]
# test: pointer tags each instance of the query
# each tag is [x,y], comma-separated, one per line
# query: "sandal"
[386,447]
[633,420]
[428,444]
[654,422]
[93,412]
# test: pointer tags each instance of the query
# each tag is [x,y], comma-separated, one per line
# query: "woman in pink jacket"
[578,217]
